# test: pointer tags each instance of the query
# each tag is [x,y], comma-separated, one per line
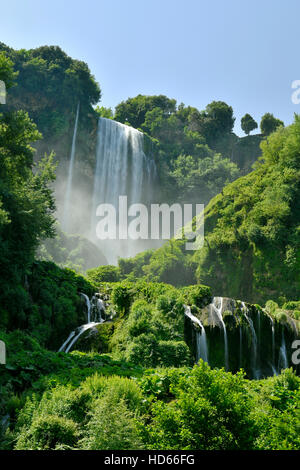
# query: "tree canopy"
[26,200]
[248,124]
[269,124]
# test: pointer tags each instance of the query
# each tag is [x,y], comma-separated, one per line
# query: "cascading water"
[98,308]
[273,345]
[76,335]
[88,305]
[98,303]
[202,351]
[122,169]
[253,342]
[67,204]
[217,307]
[283,360]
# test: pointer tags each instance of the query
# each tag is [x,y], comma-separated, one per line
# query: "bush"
[115,389]
[197,295]
[111,427]
[173,353]
[47,433]
[104,274]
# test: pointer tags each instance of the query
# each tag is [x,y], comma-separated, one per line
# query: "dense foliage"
[44,74]
[252,233]
[26,205]
[87,401]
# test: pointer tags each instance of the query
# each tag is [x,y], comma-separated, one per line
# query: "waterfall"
[67,205]
[273,345]
[217,307]
[253,342]
[88,305]
[122,169]
[283,360]
[202,351]
[76,335]
[97,307]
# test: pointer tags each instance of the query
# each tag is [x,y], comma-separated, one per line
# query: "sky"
[245,53]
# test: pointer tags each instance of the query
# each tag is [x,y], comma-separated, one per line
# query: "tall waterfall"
[202,351]
[67,203]
[122,169]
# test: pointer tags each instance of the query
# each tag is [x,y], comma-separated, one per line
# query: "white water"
[88,305]
[283,360]
[217,307]
[202,351]
[67,204]
[75,335]
[254,342]
[273,345]
[122,169]
[95,307]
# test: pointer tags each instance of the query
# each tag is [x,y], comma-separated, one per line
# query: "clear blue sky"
[245,53]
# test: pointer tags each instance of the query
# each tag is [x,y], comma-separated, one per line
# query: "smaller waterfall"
[254,342]
[202,351]
[217,307]
[95,307]
[258,339]
[66,216]
[98,308]
[75,335]
[88,305]
[273,345]
[283,360]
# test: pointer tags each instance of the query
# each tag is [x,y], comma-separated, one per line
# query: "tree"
[248,124]
[104,112]
[269,124]
[26,202]
[133,110]
[214,123]
[7,74]
[50,85]
[199,179]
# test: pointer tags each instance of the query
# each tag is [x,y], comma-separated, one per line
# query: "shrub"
[115,389]
[271,306]
[104,274]
[111,427]
[197,295]
[47,432]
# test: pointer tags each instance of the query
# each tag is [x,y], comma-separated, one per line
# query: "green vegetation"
[136,386]
[106,273]
[269,124]
[70,251]
[86,401]
[248,124]
[197,152]
[251,248]
[44,74]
